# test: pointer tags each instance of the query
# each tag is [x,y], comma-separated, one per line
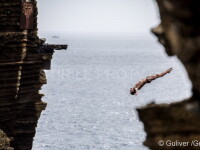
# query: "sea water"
[89,105]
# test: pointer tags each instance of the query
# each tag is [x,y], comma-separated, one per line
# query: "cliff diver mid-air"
[148,79]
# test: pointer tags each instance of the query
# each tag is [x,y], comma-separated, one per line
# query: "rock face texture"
[169,126]
[5,141]
[21,73]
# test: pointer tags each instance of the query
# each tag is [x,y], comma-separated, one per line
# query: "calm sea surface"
[89,105]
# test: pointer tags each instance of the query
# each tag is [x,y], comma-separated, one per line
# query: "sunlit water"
[89,105]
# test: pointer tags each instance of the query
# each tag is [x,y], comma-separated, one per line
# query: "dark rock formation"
[179,32]
[21,74]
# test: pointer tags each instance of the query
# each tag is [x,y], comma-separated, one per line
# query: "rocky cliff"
[177,126]
[23,57]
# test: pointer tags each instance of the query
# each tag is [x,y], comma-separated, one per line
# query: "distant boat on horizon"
[55,37]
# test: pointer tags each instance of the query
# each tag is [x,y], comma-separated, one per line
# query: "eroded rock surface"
[179,33]
[5,141]
[21,75]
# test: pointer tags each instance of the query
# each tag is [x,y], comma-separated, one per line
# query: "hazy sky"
[97,16]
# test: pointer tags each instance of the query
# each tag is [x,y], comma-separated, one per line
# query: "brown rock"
[21,76]
[179,33]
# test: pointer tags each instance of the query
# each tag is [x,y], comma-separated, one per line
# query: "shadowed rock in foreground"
[177,126]
[22,74]
[171,124]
